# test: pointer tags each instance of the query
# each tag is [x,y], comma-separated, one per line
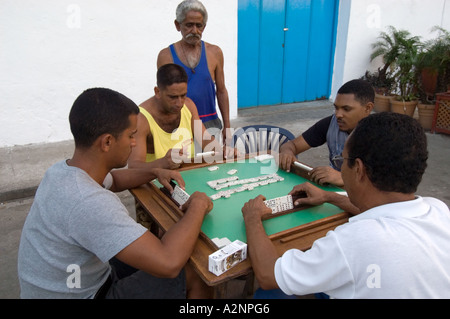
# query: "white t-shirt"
[73,229]
[398,250]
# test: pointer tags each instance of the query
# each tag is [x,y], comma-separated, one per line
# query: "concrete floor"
[21,169]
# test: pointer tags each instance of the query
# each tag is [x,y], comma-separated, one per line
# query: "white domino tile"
[280,204]
[179,195]
[243,184]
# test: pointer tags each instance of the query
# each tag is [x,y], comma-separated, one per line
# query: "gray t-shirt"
[73,229]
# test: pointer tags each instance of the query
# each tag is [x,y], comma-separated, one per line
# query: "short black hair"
[99,111]
[393,148]
[169,74]
[363,91]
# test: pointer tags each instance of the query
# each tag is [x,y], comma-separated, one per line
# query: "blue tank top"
[201,87]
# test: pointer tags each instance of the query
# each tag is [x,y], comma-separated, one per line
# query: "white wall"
[361,21]
[52,50]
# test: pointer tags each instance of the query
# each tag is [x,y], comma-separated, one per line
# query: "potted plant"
[426,106]
[433,73]
[382,84]
[434,61]
[401,49]
[388,48]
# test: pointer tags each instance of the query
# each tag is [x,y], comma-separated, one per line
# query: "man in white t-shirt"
[397,244]
[78,240]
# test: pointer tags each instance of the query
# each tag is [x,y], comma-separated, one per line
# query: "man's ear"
[157,92]
[369,107]
[177,25]
[106,142]
[360,170]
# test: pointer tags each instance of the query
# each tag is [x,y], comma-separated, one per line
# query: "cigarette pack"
[227,257]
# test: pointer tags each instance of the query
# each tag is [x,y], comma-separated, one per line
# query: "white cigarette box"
[227,257]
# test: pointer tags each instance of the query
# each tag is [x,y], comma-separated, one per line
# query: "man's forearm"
[263,253]
[124,179]
[342,202]
[224,107]
[288,148]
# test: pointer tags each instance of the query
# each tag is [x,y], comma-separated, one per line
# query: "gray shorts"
[213,124]
[130,283]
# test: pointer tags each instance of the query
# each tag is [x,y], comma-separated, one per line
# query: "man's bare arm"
[263,253]
[317,196]
[166,257]
[124,179]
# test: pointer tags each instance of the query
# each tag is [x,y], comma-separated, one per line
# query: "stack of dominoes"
[179,195]
[280,204]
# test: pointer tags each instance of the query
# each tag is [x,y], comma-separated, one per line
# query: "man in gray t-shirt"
[76,226]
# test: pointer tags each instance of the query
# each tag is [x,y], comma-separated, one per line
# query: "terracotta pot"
[429,79]
[426,114]
[403,107]
[382,103]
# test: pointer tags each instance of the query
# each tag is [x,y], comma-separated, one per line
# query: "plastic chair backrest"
[261,138]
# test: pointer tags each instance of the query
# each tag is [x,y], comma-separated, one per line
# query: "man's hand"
[317,196]
[255,208]
[164,176]
[198,201]
[230,152]
[174,158]
[314,195]
[326,175]
[285,160]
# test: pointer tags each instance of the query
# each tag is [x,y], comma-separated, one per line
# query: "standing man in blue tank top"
[203,63]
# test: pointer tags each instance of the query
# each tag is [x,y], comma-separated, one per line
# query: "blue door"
[285,50]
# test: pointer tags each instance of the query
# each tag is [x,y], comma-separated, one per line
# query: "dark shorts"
[130,283]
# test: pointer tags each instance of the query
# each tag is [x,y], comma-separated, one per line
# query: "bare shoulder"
[215,58]
[191,107]
[212,48]
[146,104]
[164,57]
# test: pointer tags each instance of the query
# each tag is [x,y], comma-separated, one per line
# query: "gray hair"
[190,5]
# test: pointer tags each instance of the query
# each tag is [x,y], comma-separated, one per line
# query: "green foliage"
[436,57]
[399,50]
[404,58]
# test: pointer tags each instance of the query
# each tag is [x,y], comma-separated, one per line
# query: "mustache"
[191,35]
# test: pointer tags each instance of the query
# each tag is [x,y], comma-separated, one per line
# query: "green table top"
[225,220]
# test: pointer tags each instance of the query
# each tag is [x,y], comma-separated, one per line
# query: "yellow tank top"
[164,141]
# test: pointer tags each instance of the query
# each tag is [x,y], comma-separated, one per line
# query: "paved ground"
[21,169]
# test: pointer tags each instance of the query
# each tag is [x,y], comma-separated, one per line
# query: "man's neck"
[190,53]
[91,165]
[190,46]
[378,198]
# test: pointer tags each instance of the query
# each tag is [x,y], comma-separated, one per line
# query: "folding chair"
[261,138]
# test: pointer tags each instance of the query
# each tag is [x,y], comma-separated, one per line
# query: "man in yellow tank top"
[168,124]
